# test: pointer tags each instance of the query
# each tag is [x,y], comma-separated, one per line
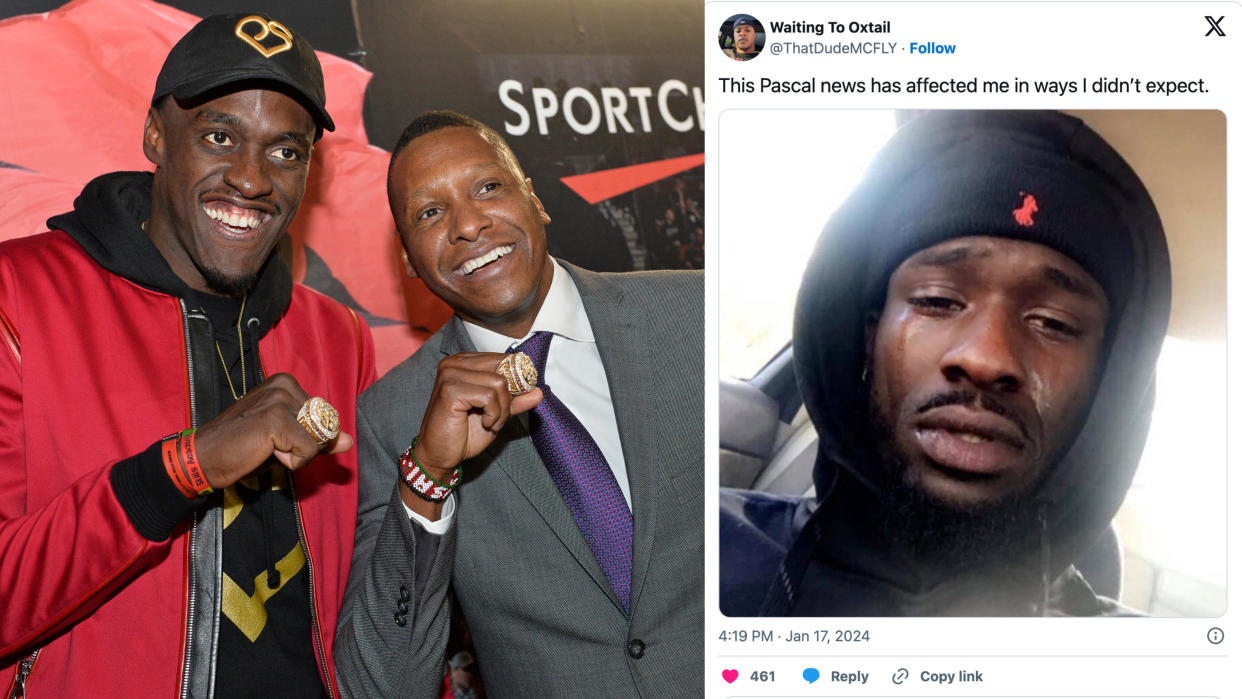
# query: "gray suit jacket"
[543,618]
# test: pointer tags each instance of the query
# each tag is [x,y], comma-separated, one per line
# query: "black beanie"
[1004,174]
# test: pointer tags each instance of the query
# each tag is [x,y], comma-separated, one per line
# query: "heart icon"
[729,676]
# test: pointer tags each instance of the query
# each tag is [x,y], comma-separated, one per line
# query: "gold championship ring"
[519,372]
[320,419]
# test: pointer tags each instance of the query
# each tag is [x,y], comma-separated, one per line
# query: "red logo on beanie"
[1025,214]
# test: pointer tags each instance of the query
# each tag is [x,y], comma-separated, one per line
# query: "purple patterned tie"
[582,475]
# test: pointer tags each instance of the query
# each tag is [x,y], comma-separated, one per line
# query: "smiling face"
[472,229]
[984,361]
[230,174]
[744,38]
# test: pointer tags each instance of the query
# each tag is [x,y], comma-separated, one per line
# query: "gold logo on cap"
[268,27]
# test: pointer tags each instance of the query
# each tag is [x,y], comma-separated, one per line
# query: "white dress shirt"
[574,372]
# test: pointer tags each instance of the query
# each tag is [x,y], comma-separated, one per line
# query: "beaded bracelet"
[416,478]
[182,466]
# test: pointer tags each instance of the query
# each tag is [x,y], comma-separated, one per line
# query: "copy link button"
[900,676]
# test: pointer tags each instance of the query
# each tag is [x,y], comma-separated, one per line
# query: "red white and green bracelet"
[416,478]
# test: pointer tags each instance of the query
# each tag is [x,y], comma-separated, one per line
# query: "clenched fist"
[469,404]
[263,423]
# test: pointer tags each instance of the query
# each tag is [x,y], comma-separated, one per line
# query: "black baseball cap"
[747,21]
[225,49]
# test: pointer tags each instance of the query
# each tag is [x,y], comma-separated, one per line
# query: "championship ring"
[320,419]
[519,372]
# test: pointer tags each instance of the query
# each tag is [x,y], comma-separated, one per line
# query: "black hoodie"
[831,555]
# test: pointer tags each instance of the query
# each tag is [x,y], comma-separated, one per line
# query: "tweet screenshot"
[968,282]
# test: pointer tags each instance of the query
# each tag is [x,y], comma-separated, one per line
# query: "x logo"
[1215,25]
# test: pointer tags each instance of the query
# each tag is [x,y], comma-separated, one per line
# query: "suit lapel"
[623,335]
[454,339]
[514,452]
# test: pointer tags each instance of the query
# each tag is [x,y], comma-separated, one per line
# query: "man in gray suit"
[574,543]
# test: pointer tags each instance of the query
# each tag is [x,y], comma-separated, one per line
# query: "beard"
[953,535]
[225,285]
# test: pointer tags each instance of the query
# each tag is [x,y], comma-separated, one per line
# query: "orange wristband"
[168,451]
[182,466]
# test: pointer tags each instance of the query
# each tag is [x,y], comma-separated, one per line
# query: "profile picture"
[741,37]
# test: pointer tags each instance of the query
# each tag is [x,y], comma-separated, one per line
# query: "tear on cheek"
[1039,396]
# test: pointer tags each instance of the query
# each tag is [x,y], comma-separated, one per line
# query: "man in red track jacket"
[139,557]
